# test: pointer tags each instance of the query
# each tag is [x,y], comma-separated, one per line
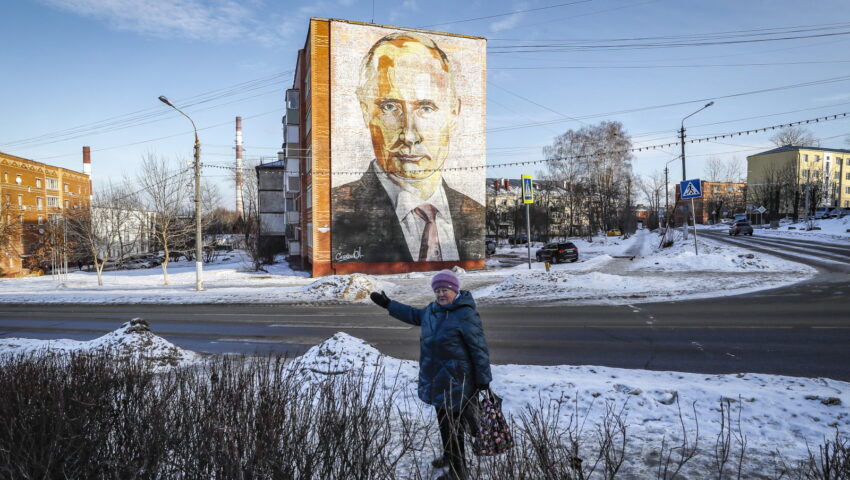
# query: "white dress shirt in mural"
[405,199]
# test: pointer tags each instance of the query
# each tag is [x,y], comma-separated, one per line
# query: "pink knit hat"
[446,279]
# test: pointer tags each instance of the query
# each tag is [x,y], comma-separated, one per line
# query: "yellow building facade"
[823,171]
[31,195]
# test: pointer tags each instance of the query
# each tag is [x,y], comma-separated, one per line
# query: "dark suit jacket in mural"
[366,228]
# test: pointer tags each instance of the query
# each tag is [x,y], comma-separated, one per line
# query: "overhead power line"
[497,15]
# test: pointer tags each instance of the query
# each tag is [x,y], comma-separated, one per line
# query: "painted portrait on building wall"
[407,146]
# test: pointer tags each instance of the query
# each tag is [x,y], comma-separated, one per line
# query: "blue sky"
[75,69]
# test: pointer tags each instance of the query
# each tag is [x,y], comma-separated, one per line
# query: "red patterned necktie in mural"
[430,249]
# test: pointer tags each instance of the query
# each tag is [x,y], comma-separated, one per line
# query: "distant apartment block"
[794,170]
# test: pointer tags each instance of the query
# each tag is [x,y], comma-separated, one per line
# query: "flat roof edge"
[394,27]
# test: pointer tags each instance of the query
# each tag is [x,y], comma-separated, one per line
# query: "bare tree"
[652,189]
[794,136]
[97,229]
[167,191]
[10,230]
[731,170]
[594,165]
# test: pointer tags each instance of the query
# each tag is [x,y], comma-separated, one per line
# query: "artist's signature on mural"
[355,255]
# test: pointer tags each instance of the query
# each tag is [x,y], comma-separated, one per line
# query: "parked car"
[490,246]
[518,239]
[741,227]
[614,233]
[822,212]
[557,252]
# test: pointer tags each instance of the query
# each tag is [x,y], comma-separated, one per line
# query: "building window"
[21,219]
[39,203]
[52,183]
[838,160]
[805,173]
[5,177]
[18,179]
[52,201]
[847,190]
[310,235]
[20,200]
[37,183]
[41,219]
[837,175]
[817,158]
[66,188]
[67,203]
[309,196]
[847,176]
[806,158]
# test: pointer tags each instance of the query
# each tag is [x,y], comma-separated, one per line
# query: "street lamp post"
[199,239]
[684,175]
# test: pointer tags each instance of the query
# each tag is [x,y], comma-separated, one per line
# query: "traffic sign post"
[692,189]
[528,199]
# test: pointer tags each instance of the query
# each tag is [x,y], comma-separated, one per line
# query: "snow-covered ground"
[783,415]
[829,230]
[610,270]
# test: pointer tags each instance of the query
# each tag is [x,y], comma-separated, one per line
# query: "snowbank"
[133,340]
[354,287]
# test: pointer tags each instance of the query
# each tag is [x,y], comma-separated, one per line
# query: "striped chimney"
[87,169]
[239,207]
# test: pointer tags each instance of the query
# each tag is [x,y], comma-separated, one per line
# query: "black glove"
[381,299]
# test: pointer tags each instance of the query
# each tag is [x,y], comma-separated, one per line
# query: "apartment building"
[791,173]
[32,195]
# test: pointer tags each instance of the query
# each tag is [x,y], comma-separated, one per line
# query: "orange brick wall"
[321,142]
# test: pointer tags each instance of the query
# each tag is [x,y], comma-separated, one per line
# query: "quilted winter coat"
[453,357]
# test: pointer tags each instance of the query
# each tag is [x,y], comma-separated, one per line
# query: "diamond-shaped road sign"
[691,188]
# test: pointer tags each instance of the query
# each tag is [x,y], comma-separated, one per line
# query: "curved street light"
[199,259]
[684,176]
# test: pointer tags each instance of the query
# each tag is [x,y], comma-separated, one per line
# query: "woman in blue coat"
[454,363]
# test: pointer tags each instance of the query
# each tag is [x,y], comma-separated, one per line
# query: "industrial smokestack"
[87,169]
[87,161]
[239,208]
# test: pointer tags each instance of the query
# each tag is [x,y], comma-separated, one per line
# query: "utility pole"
[199,238]
[684,175]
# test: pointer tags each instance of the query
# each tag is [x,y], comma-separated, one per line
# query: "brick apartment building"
[717,198]
[32,194]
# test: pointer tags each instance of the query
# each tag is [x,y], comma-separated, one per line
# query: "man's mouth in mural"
[409,158]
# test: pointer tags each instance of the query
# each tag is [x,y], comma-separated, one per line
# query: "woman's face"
[444,295]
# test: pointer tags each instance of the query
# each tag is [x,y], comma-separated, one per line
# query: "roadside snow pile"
[564,284]
[354,287]
[712,258]
[134,340]
[341,353]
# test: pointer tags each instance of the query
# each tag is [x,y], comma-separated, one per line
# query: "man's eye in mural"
[426,108]
[393,108]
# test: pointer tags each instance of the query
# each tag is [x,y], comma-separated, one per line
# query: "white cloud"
[216,20]
[510,21]
[834,98]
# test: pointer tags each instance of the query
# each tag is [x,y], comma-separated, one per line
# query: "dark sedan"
[558,252]
[741,227]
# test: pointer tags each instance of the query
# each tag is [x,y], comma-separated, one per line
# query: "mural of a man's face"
[410,108]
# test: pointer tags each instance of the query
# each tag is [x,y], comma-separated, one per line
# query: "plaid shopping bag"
[494,436]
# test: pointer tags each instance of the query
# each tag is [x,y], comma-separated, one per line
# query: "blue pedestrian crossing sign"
[691,188]
[527,189]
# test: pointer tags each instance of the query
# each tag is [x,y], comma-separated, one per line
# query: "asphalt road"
[801,330]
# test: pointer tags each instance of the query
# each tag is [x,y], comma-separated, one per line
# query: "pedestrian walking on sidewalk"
[454,363]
